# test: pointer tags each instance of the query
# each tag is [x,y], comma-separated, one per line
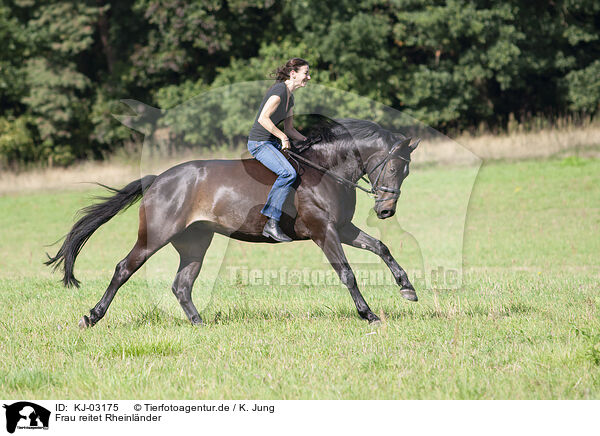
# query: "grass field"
[525,324]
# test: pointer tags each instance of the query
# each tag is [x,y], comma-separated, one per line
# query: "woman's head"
[295,69]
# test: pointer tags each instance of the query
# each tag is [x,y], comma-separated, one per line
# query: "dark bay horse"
[188,203]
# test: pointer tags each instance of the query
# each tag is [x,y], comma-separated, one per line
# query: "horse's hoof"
[84,322]
[196,321]
[373,319]
[409,294]
[375,322]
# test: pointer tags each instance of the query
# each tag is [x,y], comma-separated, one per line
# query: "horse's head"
[354,147]
[386,170]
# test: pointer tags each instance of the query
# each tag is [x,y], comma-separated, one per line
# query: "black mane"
[333,141]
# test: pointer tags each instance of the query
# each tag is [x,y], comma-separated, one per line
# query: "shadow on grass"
[153,316]
[498,310]
[236,313]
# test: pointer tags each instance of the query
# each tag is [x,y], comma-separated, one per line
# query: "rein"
[330,173]
[374,187]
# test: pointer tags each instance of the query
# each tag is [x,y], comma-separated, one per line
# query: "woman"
[263,139]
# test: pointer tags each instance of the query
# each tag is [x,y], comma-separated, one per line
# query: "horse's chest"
[327,203]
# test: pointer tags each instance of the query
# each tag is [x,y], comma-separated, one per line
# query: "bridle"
[382,165]
[375,188]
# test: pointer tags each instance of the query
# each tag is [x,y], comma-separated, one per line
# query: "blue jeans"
[267,152]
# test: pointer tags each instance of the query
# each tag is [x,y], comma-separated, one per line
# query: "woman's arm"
[264,120]
[288,127]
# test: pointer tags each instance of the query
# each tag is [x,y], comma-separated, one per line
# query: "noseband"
[382,166]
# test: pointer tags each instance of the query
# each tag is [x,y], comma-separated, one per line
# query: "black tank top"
[258,132]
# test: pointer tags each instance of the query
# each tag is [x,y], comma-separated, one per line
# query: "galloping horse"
[188,203]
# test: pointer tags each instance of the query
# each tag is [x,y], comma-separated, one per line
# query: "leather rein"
[381,165]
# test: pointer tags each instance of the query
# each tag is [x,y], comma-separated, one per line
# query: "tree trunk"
[103,28]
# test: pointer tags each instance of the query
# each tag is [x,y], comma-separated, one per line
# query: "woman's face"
[301,77]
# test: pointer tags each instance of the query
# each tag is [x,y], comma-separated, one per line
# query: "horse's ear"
[404,143]
[414,145]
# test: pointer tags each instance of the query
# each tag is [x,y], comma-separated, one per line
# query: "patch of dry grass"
[113,172]
[540,144]
[74,177]
[513,146]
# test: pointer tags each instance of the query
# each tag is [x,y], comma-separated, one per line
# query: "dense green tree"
[60,31]
[480,61]
[352,40]
[584,88]
[13,46]
[582,55]
[187,40]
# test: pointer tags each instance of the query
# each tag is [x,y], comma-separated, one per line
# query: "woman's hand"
[285,143]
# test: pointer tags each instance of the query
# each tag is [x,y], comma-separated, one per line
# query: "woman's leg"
[272,158]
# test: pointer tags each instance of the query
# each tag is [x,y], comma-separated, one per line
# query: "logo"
[25,415]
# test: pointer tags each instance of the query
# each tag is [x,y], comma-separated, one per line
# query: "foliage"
[584,88]
[16,141]
[12,45]
[453,64]
[61,115]
[107,130]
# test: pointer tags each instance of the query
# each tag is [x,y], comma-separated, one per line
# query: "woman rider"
[263,139]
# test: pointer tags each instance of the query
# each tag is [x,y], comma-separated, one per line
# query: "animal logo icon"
[24,414]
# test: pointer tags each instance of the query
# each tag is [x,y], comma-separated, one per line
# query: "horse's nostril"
[386,213]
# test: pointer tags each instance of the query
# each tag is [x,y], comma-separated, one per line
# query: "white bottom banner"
[23,417]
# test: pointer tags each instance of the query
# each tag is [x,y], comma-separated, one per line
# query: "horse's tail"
[93,217]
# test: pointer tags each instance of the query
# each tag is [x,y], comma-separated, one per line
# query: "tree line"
[453,64]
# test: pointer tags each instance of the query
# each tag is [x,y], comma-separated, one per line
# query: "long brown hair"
[282,73]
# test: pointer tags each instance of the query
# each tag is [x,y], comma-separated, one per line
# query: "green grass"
[525,324]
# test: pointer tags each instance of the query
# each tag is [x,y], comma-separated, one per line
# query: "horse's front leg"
[328,240]
[352,235]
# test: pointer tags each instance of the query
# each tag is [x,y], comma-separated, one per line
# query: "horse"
[188,203]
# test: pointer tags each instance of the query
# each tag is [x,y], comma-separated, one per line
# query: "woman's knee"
[289,174]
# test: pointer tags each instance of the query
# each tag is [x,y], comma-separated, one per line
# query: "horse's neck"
[345,163]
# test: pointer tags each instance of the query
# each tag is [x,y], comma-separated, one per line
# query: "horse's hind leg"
[124,269]
[149,241]
[191,245]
